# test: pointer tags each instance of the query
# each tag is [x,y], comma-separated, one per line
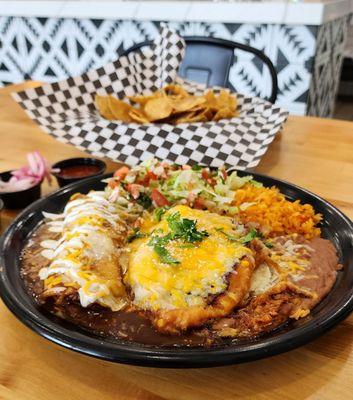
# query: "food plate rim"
[154,356]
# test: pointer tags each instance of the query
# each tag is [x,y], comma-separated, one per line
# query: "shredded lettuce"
[236,182]
[181,185]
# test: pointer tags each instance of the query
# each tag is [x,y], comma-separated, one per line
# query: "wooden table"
[314,153]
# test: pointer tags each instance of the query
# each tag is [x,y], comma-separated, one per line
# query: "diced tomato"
[224,173]
[134,189]
[208,177]
[121,173]
[199,203]
[113,183]
[205,174]
[150,176]
[159,199]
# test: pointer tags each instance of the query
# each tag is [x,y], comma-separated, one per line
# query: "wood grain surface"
[313,153]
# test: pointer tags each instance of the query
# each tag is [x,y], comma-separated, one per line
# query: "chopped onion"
[29,175]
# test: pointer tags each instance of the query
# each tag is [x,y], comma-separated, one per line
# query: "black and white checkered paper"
[66,111]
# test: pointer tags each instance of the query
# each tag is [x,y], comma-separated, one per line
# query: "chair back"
[208,60]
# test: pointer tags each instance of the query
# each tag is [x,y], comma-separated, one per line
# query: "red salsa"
[79,171]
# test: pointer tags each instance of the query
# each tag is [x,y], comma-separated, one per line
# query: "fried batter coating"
[176,321]
[264,312]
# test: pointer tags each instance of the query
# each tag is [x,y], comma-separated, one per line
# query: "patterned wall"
[51,49]
[331,42]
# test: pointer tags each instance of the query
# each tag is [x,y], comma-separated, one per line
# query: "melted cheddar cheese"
[202,269]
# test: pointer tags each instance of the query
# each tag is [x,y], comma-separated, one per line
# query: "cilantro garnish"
[159,240]
[159,212]
[252,234]
[180,228]
[230,237]
[196,167]
[184,228]
[158,243]
[135,235]
[165,256]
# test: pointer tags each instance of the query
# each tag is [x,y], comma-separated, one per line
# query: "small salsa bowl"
[75,169]
[21,198]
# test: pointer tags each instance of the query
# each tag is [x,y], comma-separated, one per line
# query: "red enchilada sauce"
[78,171]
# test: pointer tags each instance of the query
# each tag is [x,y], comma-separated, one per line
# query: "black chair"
[208,60]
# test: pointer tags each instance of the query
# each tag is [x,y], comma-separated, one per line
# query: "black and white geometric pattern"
[51,49]
[331,41]
[66,110]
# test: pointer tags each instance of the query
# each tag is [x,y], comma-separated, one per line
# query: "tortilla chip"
[201,115]
[158,108]
[184,118]
[138,116]
[225,99]
[171,105]
[211,100]
[186,103]
[103,107]
[223,113]
[119,109]
[233,102]
[142,100]
[175,90]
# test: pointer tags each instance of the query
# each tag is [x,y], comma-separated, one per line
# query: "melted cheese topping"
[291,259]
[291,263]
[85,257]
[202,269]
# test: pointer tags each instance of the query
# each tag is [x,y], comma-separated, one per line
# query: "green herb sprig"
[229,237]
[159,212]
[252,234]
[185,229]
[158,243]
[136,234]
[180,228]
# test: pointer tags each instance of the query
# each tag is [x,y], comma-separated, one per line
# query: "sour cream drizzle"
[86,226]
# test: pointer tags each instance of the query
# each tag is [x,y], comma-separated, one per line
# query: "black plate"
[333,309]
